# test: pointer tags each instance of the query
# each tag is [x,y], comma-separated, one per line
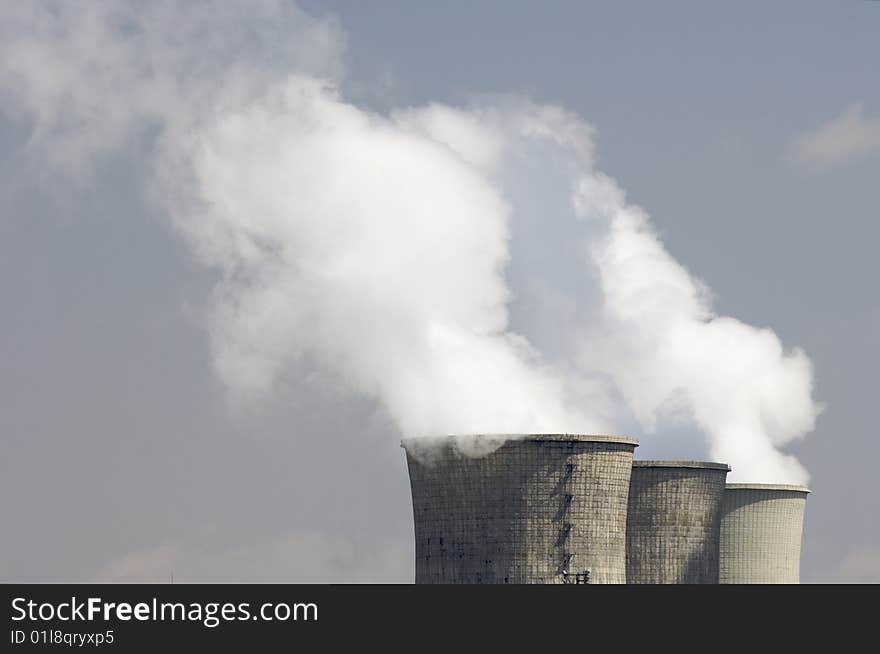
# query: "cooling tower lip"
[533,438]
[582,438]
[791,488]
[702,465]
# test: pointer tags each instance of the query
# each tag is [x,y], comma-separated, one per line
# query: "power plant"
[577,509]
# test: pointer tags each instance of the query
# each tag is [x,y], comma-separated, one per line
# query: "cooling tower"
[539,509]
[673,522]
[761,528]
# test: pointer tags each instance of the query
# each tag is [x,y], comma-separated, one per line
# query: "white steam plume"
[661,342]
[378,247]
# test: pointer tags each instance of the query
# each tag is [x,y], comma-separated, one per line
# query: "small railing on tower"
[576,578]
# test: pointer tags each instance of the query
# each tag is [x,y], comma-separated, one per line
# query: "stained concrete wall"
[539,509]
[673,522]
[761,529]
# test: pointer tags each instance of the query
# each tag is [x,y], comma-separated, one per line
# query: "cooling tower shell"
[761,529]
[540,509]
[673,522]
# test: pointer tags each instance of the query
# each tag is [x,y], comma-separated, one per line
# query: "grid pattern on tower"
[673,524]
[760,537]
[533,511]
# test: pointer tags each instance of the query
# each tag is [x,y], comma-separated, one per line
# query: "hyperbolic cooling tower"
[761,528]
[673,522]
[539,509]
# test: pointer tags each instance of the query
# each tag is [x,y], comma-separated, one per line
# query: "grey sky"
[749,132]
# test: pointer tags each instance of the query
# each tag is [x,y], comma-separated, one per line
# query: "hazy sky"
[750,133]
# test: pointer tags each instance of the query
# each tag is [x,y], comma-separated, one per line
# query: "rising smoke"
[398,250]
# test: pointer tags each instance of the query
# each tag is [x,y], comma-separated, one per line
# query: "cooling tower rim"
[792,488]
[534,438]
[707,465]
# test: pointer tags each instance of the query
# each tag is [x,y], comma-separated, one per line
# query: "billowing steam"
[398,251]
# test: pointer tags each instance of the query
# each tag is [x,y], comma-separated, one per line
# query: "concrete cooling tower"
[761,528]
[540,509]
[672,530]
